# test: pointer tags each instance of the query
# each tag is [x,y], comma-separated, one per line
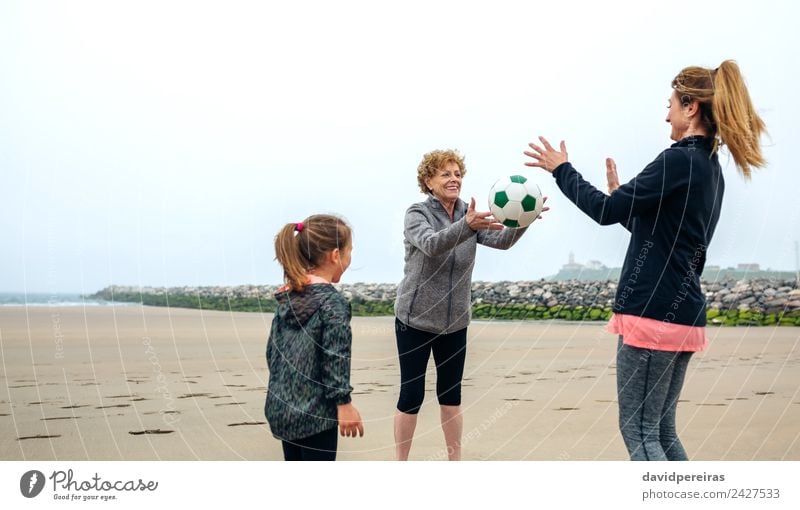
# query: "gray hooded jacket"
[435,293]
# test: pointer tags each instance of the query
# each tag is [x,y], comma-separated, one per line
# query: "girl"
[671,208]
[308,352]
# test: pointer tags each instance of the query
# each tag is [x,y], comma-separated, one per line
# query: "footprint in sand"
[113,406]
[38,436]
[235,385]
[231,404]
[161,412]
[711,405]
[192,395]
[519,399]
[23,386]
[150,431]
[4,414]
[247,423]
[567,409]
[738,398]
[764,392]
[62,418]
[75,406]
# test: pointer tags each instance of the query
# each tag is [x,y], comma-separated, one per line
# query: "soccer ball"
[515,201]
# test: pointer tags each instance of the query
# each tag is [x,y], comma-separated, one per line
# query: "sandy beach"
[143,383]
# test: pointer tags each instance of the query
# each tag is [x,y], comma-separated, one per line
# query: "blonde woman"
[671,208]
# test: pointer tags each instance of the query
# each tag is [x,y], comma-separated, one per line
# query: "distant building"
[594,270]
[572,265]
[748,267]
[595,265]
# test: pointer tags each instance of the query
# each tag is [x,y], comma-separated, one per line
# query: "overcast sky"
[165,143]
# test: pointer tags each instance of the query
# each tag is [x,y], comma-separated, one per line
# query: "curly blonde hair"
[433,161]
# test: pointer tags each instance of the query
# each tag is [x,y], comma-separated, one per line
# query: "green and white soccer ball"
[515,201]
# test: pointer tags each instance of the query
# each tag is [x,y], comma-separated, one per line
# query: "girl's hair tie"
[299,226]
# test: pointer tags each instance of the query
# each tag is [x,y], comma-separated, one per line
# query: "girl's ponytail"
[288,254]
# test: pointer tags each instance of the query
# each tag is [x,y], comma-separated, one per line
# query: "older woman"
[671,208]
[433,305]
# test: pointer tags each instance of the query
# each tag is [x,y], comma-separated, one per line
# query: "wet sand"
[143,383]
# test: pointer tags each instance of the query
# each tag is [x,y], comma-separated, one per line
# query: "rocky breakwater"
[752,302]
[730,302]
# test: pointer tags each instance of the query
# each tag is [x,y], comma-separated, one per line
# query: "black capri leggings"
[414,347]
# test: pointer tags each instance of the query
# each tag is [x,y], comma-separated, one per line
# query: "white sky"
[165,143]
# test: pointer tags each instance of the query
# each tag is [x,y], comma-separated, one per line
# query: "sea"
[51,299]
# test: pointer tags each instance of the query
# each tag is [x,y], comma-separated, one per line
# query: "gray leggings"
[649,384]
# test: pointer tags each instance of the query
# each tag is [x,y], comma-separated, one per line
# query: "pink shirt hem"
[658,335]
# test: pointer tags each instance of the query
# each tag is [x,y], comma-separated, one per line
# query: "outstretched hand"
[611,175]
[546,157]
[481,220]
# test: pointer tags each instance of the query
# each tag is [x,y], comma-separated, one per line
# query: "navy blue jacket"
[671,208]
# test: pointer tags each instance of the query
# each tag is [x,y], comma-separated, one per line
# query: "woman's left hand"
[544,201]
[547,157]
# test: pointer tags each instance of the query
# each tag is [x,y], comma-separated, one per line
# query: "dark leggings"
[320,446]
[414,348]
[649,384]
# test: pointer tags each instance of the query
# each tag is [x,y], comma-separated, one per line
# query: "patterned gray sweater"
[308,356]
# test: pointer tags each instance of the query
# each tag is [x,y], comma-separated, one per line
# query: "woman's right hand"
[481,220]
[349,421]
[611,175]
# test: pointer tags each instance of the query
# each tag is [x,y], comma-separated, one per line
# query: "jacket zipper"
[450,285]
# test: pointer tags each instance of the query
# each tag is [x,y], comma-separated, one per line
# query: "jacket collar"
[694,140]
[459,210]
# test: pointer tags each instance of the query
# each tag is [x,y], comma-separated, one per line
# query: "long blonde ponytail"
[726,111]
